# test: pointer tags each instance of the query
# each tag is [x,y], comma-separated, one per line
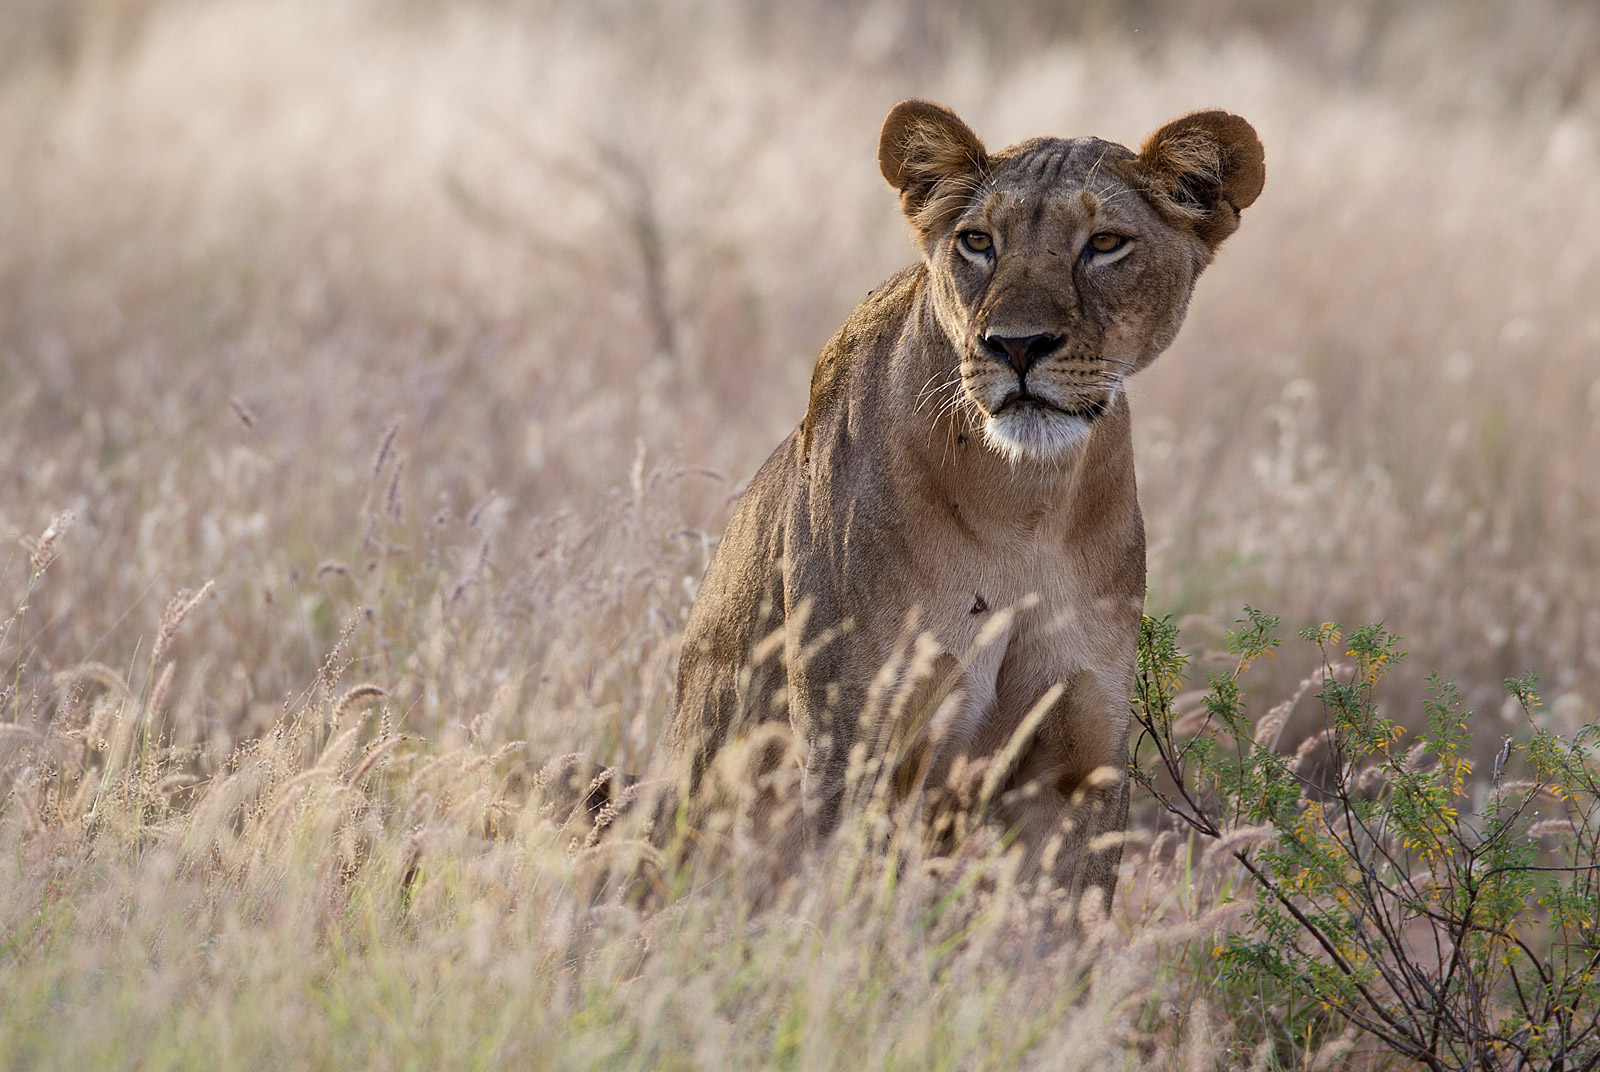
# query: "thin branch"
[1404,1043]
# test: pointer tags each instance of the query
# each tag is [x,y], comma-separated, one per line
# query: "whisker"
[930,392]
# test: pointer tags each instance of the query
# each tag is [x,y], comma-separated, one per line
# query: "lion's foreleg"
[1067,800]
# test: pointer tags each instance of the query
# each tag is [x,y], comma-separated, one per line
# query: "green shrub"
[1451,917]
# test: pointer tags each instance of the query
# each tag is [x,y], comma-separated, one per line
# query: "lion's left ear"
[1203,170]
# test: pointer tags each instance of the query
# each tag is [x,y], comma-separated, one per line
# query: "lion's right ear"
[932,158]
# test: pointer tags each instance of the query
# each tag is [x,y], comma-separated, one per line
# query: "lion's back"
[739,603]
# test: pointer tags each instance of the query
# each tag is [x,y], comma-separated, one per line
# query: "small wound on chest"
[979,605]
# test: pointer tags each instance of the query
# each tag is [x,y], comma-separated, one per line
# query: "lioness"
[942,569]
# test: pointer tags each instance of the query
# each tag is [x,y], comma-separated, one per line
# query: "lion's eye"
[977,241]
[1106,242]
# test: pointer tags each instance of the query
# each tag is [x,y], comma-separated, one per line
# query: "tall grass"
[439,337]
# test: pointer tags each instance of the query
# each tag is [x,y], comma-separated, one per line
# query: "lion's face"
[1061,266]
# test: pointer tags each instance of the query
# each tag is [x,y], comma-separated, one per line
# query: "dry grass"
[569,267]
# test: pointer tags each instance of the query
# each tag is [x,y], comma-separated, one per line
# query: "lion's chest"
[1022,607]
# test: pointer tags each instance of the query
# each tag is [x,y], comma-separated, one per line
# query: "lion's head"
[1062,265]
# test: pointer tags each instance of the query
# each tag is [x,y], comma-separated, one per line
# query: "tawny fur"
[933,553]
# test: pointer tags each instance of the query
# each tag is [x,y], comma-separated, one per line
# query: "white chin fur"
[1035,434]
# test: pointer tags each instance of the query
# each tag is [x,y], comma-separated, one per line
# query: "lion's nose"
[1020,351]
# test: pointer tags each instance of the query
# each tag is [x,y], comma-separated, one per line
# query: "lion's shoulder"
[877,322]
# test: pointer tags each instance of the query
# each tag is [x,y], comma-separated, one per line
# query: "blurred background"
[455,325]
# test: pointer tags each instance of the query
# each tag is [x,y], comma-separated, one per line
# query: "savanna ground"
[422,346]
